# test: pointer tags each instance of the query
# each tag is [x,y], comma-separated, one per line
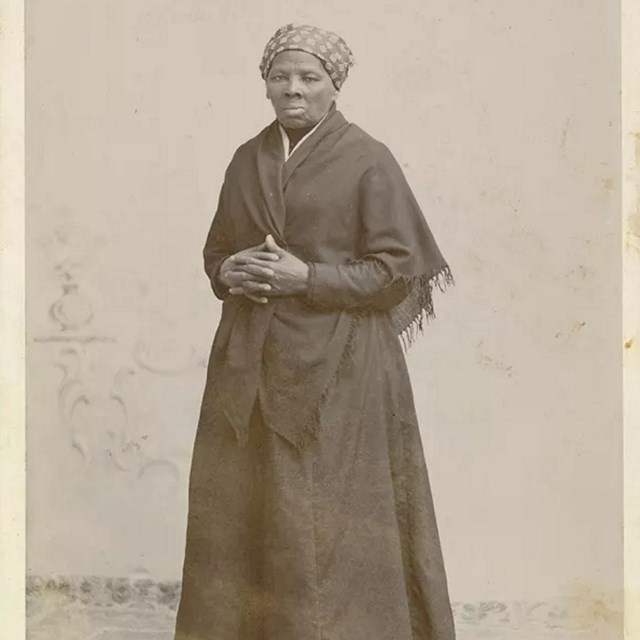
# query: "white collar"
[285,139]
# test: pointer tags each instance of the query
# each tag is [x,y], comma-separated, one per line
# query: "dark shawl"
[341,204]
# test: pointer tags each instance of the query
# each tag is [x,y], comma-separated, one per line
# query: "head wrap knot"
[330,48]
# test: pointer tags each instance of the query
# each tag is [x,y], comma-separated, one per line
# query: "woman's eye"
[310,79]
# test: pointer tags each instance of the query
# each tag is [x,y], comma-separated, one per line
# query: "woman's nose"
[293,88]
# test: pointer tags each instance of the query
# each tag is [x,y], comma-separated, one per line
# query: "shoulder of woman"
[374,158]
[375,151]
[251,145]
[246,153]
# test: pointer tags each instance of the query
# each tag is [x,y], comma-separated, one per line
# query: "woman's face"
[300,89]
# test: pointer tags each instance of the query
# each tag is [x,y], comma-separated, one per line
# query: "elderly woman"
[310,510]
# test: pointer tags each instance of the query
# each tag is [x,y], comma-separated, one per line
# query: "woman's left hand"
[286,276]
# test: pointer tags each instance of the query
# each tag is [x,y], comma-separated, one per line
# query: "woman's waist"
[289,325]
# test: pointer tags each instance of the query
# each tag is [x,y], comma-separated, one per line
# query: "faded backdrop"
[504,116]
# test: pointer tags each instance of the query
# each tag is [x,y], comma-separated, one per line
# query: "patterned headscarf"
[331,49]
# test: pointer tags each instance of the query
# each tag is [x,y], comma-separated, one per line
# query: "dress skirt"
[336,541]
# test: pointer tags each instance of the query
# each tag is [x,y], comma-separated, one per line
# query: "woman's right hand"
[233,276]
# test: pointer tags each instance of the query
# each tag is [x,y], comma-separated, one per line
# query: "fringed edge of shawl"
[425,285]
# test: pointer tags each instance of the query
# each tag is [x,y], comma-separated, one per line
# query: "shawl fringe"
[412,315]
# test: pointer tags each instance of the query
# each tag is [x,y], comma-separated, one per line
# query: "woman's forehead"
[299,60]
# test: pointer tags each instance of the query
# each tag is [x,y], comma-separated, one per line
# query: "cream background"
[505,117]
[12,322]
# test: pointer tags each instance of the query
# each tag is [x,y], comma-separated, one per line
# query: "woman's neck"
[295,135]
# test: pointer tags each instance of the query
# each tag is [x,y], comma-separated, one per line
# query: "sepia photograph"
[323,324]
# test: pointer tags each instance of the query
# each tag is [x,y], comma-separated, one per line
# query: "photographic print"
[323,320]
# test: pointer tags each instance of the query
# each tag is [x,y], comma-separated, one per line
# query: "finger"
[249,272]
[251,286]
[267,264]
[257,269]
[258,255]
[236,277]
[271,245]
[258,248]
[238,291]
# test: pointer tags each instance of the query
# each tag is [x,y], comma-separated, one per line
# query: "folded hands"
[264,271]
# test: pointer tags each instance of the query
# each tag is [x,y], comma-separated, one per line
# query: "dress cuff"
[323,285]
[311,283]
[220,290]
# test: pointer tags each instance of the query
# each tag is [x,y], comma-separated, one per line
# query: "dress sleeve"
[218,247]
[363,284]
[374,279]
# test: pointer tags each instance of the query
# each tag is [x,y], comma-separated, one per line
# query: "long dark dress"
[332,536]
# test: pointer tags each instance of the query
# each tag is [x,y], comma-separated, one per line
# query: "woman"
[310,512]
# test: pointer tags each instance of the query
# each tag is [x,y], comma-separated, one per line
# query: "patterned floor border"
[97,608]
